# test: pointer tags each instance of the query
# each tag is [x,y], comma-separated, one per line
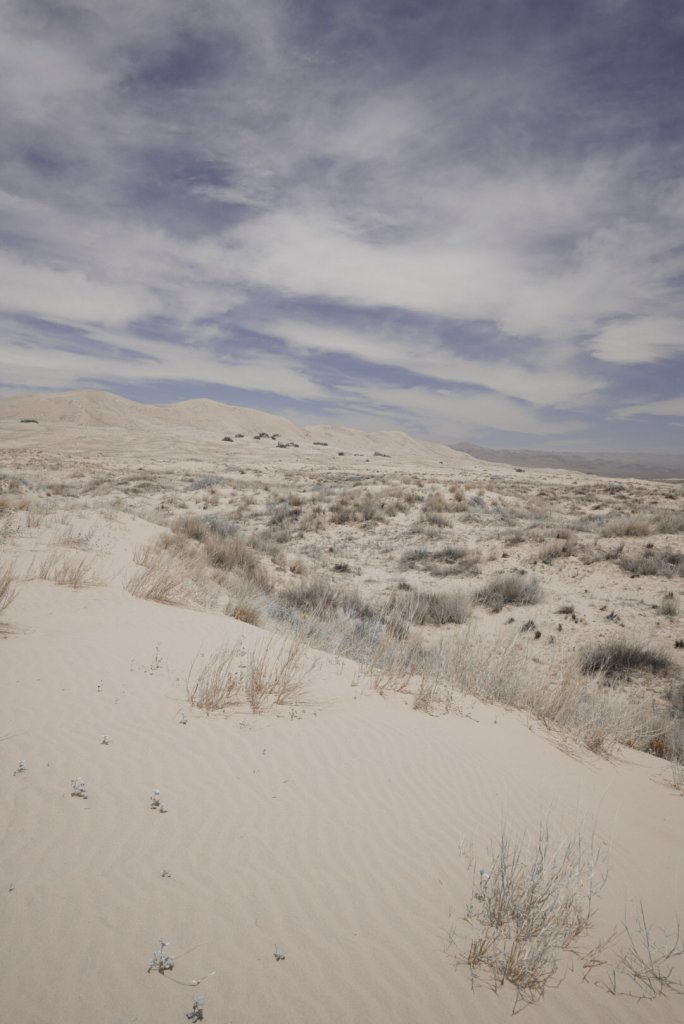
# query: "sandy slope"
[345,829]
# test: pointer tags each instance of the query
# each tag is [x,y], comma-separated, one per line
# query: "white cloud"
[661,407]
[447,415]
[641,340]
[417,353]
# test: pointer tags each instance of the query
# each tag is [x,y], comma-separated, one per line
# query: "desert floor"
[365,674]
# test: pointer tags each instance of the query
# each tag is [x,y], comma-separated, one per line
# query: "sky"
[463,219]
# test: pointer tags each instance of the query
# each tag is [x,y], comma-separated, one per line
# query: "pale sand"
[345,830]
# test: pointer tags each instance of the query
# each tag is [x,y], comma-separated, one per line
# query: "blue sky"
[459,218]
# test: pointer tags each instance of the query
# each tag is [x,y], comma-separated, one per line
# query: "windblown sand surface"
[344,827]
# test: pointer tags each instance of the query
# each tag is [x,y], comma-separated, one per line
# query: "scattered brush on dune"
[562,699]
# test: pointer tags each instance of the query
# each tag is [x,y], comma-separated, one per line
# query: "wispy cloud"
[455,218]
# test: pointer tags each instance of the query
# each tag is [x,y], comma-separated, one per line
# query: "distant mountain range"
[640,465]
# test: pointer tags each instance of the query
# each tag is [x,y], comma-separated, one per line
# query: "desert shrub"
[268,674]
[451,560]
[163,582]
[618,657]
[558,547]
[532,903]
[230,553]
[201,482]
[670,522]
[628,526]
[651,562]
[65,570]
[8,590]
[432,608]
[509,588]
[675,695]
[192,526]
[246,611]
[669,604]
[319,596]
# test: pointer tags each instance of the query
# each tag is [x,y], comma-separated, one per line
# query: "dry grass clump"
[431,607]
[670,522]
[261,677]
[528,910]
[557,547]
[8,590]
[450,560]
[246,611]
[627,526]
[650,962]
[509,588]
[69,537]
[355,506]
[65,571]
[651,562]
[317,595]
[669,604]
[619,657]
[169,568]
[164,582]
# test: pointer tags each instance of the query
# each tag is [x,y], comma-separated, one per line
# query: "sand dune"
[343,827]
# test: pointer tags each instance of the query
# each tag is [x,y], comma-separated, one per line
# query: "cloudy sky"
[460,218]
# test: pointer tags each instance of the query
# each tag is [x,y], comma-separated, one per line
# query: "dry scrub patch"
[65,570]
[8,590]
[270,674]
[528,910]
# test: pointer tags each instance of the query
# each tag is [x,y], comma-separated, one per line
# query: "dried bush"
[65,570]
[651,562]
[509,588]
[669,604]
[646,965]
[8,590]
[450,560]
[558,547]
[432,608]
[528,909]
[246,611]
[261,677]
[627,526]
[618,657]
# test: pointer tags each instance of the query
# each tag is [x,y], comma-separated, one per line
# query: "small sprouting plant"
[161,961]
[183,718]
[78,788]
[105,740]
[278,953]
[197,1012]
[21,767]
[156,802]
